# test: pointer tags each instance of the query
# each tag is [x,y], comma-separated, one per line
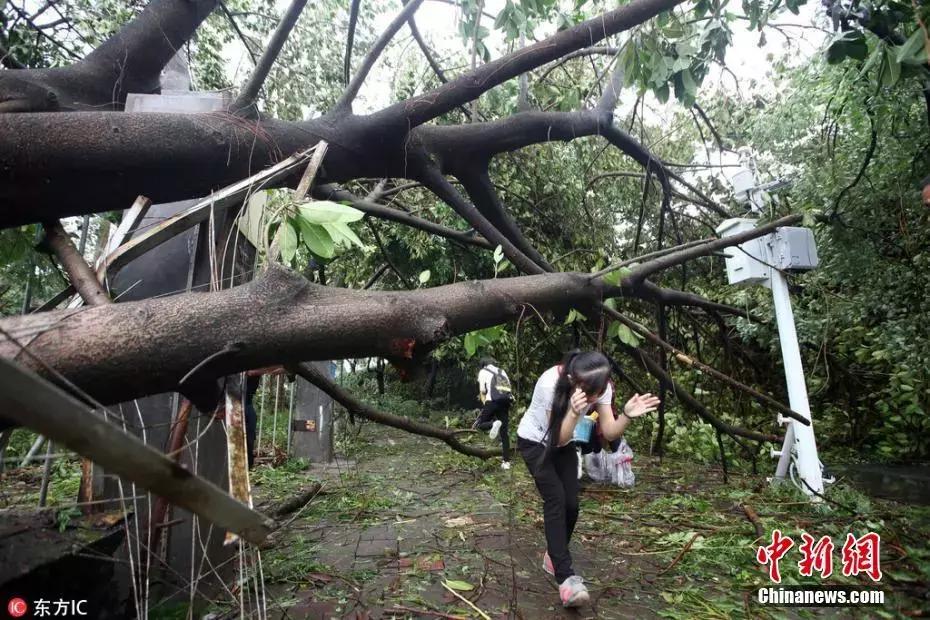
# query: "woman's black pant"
[556,474]
[497,410]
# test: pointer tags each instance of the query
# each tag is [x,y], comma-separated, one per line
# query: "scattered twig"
[467,602]
[293,503]
[423,612]
[681,554]
[753,518]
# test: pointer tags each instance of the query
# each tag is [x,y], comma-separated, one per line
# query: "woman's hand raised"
[579,402]
[640,404]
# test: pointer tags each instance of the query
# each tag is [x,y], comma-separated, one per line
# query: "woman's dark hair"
[588,371]
[487,361]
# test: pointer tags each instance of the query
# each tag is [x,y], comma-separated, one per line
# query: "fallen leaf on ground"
[460,521]
[462,586]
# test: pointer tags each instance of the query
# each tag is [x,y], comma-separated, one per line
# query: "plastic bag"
[612,467]
[621,470]
[598,466]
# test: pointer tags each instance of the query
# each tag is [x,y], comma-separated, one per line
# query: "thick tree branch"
[459,144]
[129,61]
[82,277]
[477,184]
[433,179]
[118,352]
[423,108]
[641,272]
[360,409]
[245,102]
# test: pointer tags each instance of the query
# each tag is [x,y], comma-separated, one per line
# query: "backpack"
[499,388]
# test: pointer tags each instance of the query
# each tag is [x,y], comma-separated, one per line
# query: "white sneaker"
[573,592]
[495,429]
[505,465]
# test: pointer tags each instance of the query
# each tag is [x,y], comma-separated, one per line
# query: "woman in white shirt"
[562,395]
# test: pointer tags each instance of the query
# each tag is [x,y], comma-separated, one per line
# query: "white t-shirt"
[535,420]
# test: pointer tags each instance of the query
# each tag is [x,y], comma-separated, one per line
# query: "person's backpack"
[499,388]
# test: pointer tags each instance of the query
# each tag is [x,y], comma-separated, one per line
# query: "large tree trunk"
[128,62]
[120,352]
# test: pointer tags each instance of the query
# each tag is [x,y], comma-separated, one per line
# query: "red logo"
[771,554]
[17,607]
[860,555]
[817,556]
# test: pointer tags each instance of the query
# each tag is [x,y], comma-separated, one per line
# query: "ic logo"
[17,607]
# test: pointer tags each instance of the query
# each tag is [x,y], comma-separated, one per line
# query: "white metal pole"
[803,436]
[784,457]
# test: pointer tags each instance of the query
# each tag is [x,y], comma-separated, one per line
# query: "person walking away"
[496,396]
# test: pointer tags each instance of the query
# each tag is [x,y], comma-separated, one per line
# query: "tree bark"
[128,62]
[82,277]
[118,352]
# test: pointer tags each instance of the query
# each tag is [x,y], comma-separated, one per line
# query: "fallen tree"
[117,352]
[56,143]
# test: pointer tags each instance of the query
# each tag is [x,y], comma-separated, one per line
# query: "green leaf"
[611,303]
[317,239]
[504,16]
[687,81]
[874,57]
[498,254]
[613,330]
[328,212]
[471,343]
[572,317]
[288,241]
[891,71]
[462,586]
[340,231]
[850,44]
[911,47]
[662,93]
[627,336]
[424,276]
